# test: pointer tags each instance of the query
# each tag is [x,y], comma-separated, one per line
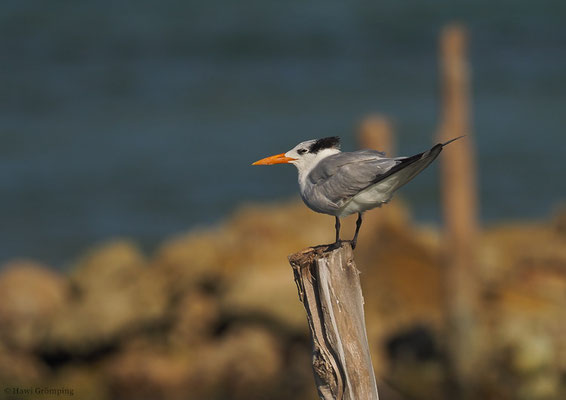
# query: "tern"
[342,183]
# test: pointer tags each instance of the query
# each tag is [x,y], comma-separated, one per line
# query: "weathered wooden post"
[329,287]
[459,198]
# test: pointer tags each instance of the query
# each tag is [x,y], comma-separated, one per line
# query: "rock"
[528,336]
[115,294]
[542,386]
[19,367]
[150,374]
[81,381]
[30,295]
[197,314]
[533,352]
[245,363]
[267,232]
[194,259]
[507,249]
[110,265]
[266,292]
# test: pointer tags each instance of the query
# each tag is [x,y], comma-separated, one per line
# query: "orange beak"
[276,159]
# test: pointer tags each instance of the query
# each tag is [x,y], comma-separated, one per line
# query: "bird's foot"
[335,245]
[338,244]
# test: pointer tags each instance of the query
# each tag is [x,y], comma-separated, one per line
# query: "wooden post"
[459,197]
[376,132]
[329,287]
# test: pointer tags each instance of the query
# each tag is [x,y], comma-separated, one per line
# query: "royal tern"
[341,183]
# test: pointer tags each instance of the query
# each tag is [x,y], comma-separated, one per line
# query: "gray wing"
[341,176]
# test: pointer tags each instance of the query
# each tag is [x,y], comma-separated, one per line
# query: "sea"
[140,119]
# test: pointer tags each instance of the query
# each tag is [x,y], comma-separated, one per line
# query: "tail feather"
[413,165]
[452,140]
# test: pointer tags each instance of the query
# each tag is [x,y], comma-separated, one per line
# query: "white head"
[306,154]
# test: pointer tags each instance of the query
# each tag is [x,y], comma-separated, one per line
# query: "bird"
[342,183]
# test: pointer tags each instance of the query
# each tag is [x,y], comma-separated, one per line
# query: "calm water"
[140,119]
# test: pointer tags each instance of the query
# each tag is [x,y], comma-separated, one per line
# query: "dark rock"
[416,343]
[116,295]
[243,364]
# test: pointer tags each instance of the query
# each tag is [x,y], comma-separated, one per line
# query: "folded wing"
[338,178]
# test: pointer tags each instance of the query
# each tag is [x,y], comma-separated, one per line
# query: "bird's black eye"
[301,151]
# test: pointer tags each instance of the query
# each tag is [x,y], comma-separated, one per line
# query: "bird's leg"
[337,226]
[358,224]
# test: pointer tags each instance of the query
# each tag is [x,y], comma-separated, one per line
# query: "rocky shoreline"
[214,314]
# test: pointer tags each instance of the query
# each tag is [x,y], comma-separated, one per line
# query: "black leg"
[358,225]
[337,226]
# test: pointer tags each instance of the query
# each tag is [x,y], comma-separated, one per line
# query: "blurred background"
[141,253]
[141,119]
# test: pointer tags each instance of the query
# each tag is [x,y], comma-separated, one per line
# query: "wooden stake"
[459,197]
[329,287]
[376,132]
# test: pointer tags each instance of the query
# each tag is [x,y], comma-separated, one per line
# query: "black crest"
[332,142]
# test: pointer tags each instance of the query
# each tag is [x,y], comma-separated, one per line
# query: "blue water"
[140,119]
